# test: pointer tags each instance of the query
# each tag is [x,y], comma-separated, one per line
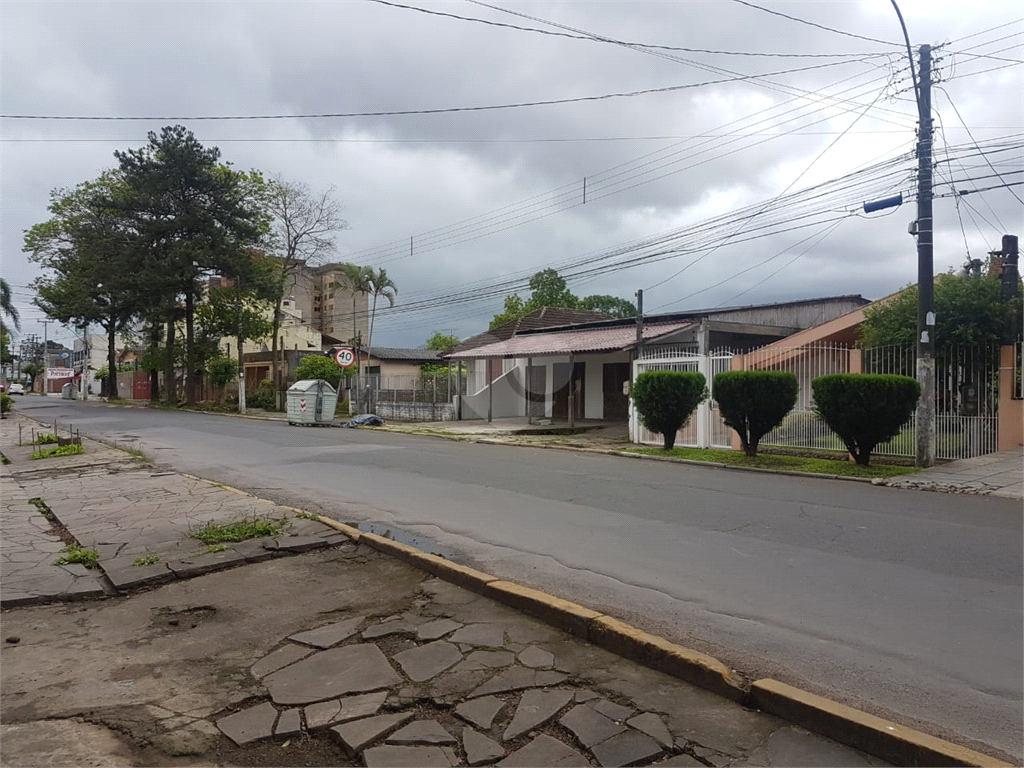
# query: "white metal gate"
[705,429]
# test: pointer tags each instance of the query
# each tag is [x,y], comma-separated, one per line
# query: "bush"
[318,367]
[6,402]
[754,402]
[221,370]
[665,400]
[264,396]
[865,409]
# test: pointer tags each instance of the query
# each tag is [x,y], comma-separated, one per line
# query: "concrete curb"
[887,740]
[471,438]
[874,735]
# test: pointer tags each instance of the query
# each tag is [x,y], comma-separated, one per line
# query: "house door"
[537,395]
[616,404]
[560,404]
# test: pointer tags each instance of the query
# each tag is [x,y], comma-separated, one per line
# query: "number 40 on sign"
[345,357]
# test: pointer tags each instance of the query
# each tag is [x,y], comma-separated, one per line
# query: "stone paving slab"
[995,474]
[130,514]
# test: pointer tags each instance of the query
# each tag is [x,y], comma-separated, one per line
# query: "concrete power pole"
[925,420]
[46,355]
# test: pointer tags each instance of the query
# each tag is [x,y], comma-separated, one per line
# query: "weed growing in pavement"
[73,553]
[147,560]
[215,548]
[46,438]
[4,459]
[43,508]
[138,453]
[306,516]
[63,450]
[238,530]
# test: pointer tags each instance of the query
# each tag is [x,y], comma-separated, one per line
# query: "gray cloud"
[409,175]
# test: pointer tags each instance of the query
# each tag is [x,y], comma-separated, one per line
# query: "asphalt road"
[905,603]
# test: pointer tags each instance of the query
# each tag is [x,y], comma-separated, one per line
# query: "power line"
[632,44]
[974,141]
[815,24]
[567,194]
[441,140]
[434,111]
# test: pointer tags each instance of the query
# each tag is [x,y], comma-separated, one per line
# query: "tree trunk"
[670,439]
[369,349]
[170,380]
[190,348]
[273,348]
[750,448]
[112,360]
[241,377]
[154,376]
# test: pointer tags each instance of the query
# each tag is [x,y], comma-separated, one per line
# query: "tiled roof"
[415,355]
[565,341]
[545,317]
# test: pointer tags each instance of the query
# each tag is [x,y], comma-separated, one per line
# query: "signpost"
[345,357]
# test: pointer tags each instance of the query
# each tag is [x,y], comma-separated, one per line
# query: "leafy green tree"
[7,306]
[609,305]
[549,289]
[968,311]
[88,250]
[865,409]
[221,371]
[666,399]
[6,356]
[193,215]
[304,226]
[754,402]
[515,308]
[32,370]
[442,342]
[319,367]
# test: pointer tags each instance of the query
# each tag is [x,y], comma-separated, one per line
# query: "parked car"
[16,388]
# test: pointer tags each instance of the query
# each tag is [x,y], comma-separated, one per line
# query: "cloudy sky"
[727,165]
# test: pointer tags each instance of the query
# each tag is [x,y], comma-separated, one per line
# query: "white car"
[16,389]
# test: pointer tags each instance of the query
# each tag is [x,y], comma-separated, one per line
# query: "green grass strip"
[778,463]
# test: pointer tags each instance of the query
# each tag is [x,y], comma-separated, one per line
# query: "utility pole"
[1008,289]
[46,355]
[85,362]
[925,420]
[639,323]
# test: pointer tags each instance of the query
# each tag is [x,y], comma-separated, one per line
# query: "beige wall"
[294,333]
[321,295]
[1011,412]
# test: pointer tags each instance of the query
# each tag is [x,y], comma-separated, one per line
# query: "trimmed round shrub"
[6,402]
[865,409]
[665,399]
[754,402]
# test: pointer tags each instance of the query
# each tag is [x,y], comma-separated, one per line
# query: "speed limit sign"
[345,357]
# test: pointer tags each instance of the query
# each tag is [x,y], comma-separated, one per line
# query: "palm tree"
[379,285]
[359,282]
[7,304]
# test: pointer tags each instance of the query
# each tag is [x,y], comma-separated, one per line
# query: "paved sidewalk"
[995,474]
[345,656]
[129,513]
